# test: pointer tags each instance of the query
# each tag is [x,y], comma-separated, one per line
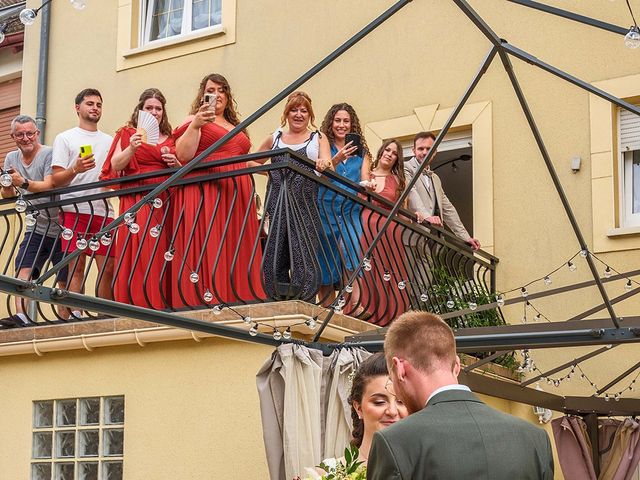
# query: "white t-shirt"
[66,148]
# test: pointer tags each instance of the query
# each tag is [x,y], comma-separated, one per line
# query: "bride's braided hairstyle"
[372,367]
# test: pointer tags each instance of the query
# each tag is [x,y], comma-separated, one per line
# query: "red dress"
[380,295]
[139,273]
[216,230]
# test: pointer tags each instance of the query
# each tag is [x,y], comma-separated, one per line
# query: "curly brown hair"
[230,113]
[327,123]
[165,126]
[372,367]
[398,167]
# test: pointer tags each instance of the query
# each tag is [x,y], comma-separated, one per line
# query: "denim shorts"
[36,250]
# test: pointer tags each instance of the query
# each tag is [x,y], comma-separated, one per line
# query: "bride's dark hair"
[372,367]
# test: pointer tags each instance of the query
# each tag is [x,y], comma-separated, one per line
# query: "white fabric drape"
[303,403]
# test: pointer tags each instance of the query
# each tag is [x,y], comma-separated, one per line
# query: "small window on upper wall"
[162,19]
[629,168]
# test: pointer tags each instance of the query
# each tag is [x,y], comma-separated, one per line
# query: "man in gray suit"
[449,434]
[431,203]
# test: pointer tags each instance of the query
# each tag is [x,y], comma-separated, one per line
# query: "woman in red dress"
[139,273]
[383,286]
[216,244]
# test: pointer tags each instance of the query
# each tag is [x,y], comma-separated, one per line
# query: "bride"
[374,405]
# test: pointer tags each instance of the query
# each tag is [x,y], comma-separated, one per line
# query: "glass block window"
[78,439]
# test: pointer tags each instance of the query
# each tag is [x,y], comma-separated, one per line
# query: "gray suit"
[423,200]
[458,437]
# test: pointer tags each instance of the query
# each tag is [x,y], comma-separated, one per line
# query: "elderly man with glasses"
[30,169]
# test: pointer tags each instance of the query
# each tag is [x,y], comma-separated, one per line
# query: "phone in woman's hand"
[356,141]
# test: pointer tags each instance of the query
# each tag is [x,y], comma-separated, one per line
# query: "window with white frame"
[629,128]
[161,19]
[78,438]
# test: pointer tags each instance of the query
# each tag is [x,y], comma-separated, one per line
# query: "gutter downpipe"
[43,69]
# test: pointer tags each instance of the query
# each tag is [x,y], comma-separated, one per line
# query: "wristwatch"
[25,185]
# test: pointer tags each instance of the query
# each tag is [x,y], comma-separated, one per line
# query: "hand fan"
[148,127]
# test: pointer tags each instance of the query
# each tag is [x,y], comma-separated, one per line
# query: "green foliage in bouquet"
[350,469]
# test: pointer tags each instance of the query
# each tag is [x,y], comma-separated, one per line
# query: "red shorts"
[84,226]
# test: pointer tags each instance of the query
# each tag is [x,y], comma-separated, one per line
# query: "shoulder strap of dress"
[276,140]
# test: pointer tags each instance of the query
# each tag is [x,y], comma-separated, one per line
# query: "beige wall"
[191,409]
[425,55]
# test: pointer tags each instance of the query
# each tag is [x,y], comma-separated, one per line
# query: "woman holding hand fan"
[143,145]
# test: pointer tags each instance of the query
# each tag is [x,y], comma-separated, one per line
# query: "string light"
[387,276]
[253,331]
[194,277]
[207,296]
[217,309]
[247,319]
[571,266]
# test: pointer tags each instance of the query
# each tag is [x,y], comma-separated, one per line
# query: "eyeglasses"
[29,135]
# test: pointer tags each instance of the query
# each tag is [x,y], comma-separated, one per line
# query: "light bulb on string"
[253,331]
[311,323]
[157,202]
[67,234]
[248,320]
[387,276]
[106,239]
[500,300]
[194,277]
[21,205]
[78,4]
[402,285]
[168,255]
[287,334]
[3,29]
[30,219]
[607,272]
[5,178]
[366,264]
[94,245]
[628,286]
[134,228]
[217,309]
[81,244]
[276,334]
[28,16]
[207,296]
[450,303]
[155,231]
[584,253]
[547,280]
[348,288]
[631,39]
[571,266]
[129,218]
[424,298]
[523,292]
[337,309]
[472,305]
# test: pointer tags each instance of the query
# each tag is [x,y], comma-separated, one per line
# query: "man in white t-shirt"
[72,167]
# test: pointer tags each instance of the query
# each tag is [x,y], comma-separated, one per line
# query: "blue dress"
[341,224]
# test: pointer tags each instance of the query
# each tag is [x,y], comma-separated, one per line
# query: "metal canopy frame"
[490,339]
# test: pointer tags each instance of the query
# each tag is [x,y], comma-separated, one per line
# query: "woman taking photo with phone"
[217,254]
[138,270]
[340,253]
[290,268]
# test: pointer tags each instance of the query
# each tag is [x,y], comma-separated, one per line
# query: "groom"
[450,433]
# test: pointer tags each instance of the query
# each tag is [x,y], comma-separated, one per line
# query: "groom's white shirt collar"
[455,386]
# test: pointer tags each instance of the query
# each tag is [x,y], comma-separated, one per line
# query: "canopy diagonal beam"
[618,378]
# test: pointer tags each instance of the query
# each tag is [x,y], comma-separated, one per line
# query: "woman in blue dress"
[340,244]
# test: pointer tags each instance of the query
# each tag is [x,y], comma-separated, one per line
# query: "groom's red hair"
[422,338]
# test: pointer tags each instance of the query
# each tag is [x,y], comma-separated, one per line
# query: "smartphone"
[85,150]
[211,99]
[356,141]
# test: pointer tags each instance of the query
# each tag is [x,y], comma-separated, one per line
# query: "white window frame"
[628,142]
[148,6]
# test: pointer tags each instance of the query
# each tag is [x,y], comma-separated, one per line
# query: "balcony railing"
[204,245]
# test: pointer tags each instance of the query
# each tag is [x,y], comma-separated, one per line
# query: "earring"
[359,416]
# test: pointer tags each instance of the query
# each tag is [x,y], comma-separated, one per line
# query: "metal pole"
[593,22]
[232,133]
[556,182]
[43,69]
[463,100]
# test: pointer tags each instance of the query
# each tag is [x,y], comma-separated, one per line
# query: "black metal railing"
[203,244]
